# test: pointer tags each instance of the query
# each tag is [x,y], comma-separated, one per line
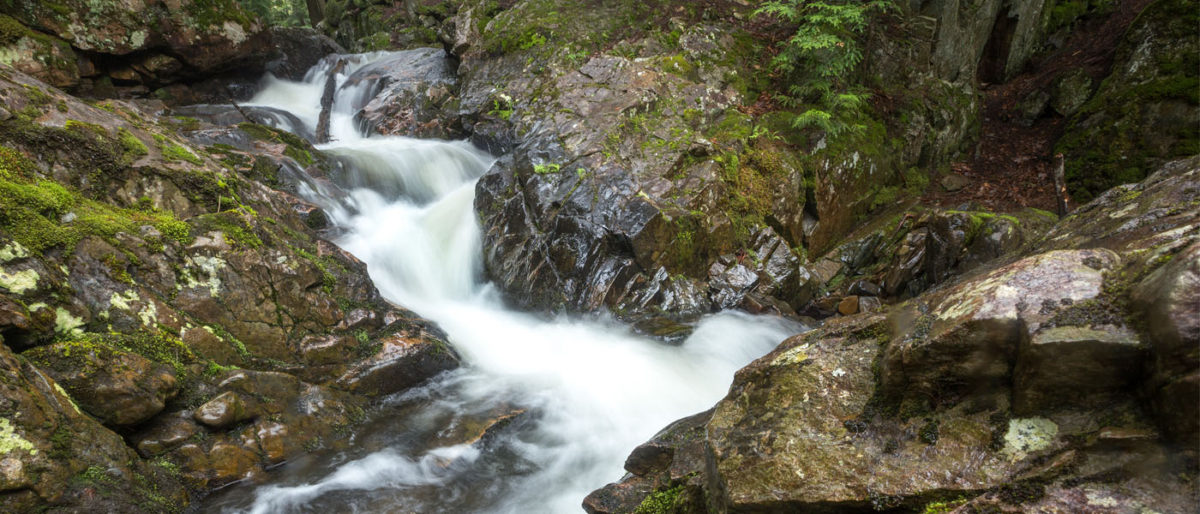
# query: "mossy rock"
[1145,112]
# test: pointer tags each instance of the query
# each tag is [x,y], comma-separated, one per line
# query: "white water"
[590,390]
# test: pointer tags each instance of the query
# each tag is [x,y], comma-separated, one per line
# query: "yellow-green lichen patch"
[793,356]
[10,441]
[208,267]
[122,300]
[65,323]
[19,282]
[1027,436]
[12,252]
[149,314]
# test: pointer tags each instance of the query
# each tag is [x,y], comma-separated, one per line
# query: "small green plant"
[545,169]
[502,111]
[818,59]
[531,40]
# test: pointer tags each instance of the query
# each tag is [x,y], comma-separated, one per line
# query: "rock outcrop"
[1038,384]
[156,288]
[95,45]
[1144,112]
[633,178]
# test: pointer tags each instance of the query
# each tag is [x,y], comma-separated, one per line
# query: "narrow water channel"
[542,411]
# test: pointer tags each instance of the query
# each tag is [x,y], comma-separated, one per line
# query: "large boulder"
[406,93]
[1144,112]
[131,41]
[55,455]
[177,298]
[298,49]
[118,387]
[1029,386]
[1166,301]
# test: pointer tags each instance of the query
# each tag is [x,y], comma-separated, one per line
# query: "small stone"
[223,411]
[869,304]
[164,434]
[4,114]
[848,305]
[864,288]
[954,182]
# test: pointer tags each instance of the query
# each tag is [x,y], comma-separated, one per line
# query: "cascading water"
[573,396]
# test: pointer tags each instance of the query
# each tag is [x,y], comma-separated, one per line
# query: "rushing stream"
[567,398]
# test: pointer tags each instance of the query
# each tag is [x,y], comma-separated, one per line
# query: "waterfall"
[569,398]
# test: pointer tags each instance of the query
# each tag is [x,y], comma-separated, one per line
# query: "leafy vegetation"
[288,13]
[818,59]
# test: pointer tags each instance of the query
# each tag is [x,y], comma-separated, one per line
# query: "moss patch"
[41,214]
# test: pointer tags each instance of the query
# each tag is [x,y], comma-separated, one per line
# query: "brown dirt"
[1013,164]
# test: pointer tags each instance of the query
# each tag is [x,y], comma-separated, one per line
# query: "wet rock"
[172,280]
[1032,107]
[49,446]
[406,92]
[224,410]
[869,304]
[165,433]
[298,49]
[848,306]
[864,288]
[675,456]
[480,430]
[730,283]
[224,115]
[116,386]
[1107,143]
[1020,388]
[1076,366]
[399,363]
[968,343]
[185,40]
[803,455]
[952,182]
[1166,300]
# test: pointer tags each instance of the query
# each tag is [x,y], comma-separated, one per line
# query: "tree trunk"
[316,12]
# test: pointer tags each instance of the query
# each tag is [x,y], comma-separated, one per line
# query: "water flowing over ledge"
[543,412]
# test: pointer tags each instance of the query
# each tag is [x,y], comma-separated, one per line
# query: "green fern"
[819,58]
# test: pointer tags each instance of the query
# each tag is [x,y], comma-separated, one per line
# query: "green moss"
[943,507]
[69,353]
[212,14]
[83,127]
[173,152]
[546,169]
[661,502]
[11,30]
[238,231]
[34,211]
[324,264]
[133,147]
[297,148]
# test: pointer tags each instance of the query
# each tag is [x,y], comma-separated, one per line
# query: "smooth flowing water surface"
[542,411]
